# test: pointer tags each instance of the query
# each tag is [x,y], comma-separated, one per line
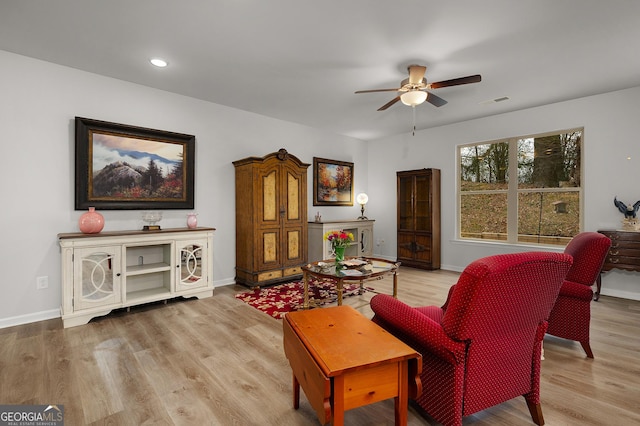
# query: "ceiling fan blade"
[377,90]
[435,100]
[416,73]
[388,104]
[456,81]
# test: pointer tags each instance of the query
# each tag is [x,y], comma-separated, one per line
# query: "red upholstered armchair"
[571,316]
[483,346]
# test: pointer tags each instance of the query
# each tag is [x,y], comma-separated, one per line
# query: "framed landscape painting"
[332,182]
[132,168]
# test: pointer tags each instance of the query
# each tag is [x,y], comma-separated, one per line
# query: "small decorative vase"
[192,220]
[91,222]
[339,251]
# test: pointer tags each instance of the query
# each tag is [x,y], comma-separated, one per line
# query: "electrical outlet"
[42,282]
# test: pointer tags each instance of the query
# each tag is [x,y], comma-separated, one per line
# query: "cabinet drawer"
[624,252]
[623,237]
[293,271]
[625,245]
[614,261]
[623,240]
[266,276]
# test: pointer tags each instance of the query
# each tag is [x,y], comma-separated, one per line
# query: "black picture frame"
[332,182]
[113,161]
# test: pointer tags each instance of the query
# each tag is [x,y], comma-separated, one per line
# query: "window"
[522,189]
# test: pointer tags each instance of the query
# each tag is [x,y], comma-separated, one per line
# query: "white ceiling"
[302,60]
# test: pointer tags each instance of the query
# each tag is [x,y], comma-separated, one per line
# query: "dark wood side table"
[343,360]
[624,254]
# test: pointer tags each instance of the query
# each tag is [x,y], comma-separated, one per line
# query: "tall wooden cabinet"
[419,218]
[271,218]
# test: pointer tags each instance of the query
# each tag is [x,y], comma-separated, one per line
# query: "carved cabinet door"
[294,223]
[191,262]
[97,277]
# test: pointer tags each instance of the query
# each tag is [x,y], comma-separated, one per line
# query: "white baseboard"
[620,294]
[55,313]
[222,283]
[451,268]
[29,318]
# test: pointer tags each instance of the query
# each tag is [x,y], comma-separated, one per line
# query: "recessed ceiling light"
[160,63]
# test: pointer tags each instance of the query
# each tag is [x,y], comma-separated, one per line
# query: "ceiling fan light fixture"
[413,97]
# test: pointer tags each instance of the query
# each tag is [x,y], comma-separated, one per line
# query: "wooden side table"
[343,360]
[624,254]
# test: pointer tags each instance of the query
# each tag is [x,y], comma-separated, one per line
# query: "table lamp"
[362,199]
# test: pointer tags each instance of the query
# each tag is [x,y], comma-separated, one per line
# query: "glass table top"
[351,268]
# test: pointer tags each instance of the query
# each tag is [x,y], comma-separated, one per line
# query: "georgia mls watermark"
[31,415]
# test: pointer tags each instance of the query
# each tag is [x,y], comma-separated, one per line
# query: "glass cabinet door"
[405,202]
[422,200]
[366,241]
[97,277]
[192,256]
[419,218]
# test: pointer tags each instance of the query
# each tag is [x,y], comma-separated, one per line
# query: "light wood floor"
[218,361]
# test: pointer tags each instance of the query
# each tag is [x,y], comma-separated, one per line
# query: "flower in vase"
[338,238]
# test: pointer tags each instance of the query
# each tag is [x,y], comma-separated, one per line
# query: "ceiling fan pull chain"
[414,119]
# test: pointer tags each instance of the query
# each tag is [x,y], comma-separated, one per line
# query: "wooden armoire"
[419,218]
[271,218]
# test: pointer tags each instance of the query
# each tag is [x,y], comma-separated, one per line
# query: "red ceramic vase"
[91,222]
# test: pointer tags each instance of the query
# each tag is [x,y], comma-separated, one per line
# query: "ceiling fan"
[413,90]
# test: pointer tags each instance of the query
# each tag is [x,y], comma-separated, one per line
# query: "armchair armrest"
[446,303]
[576,290]
[415,329]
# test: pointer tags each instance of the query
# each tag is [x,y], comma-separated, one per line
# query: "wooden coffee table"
[343,360]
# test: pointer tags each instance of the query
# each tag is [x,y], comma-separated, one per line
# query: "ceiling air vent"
[495,101]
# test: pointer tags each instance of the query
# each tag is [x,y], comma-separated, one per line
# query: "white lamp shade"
[414,97]
[362,198]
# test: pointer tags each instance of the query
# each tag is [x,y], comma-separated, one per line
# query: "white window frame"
[512,190]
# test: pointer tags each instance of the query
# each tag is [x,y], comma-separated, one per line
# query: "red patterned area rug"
[280,299]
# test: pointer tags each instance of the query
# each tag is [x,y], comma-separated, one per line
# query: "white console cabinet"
[362,231]
[111,270]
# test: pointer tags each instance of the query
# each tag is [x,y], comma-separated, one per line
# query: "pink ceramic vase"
[91,222]
[192,220]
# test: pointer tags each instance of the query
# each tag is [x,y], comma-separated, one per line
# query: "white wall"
[610,124]
[40,100]
[37,108]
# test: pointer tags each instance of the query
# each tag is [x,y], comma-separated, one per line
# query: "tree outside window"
[541,206]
